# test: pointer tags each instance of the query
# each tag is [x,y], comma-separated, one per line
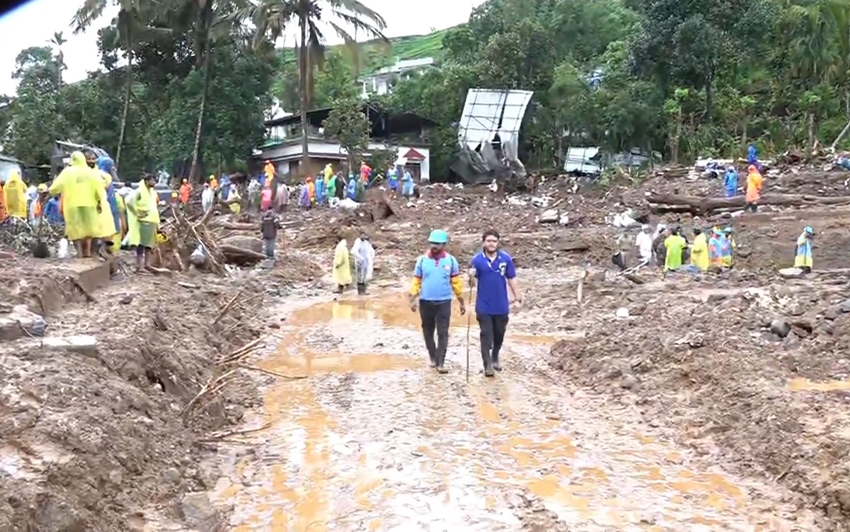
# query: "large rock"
[197,511]
[19,323]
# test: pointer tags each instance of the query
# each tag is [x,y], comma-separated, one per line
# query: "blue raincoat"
[352,187]
[52,212]
[392,179]
[731,183]
[106,164]
[224,187]
[407,184]
[321,192]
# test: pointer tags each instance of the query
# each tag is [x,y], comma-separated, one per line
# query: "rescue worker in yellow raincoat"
[16,195]
[143,220]
[82,195]
[699,250]
[342,266]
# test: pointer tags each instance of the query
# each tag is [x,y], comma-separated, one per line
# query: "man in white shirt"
[643,243]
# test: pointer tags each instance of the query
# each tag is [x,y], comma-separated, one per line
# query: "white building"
[404,133]
[381,82]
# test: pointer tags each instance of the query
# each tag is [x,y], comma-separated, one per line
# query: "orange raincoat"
[754,185]
[185,190]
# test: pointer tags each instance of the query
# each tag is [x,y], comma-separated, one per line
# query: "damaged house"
[488,135]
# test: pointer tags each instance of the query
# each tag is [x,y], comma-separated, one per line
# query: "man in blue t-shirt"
[436,279]
[495,273]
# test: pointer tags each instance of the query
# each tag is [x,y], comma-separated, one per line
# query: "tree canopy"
[185,84]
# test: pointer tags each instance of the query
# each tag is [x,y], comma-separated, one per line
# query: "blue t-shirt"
[436,274]
[492,278]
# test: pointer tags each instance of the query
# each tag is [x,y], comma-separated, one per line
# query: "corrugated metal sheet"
[487,112]
[583,160]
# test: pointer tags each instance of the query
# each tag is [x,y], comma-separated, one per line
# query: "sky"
[35,23]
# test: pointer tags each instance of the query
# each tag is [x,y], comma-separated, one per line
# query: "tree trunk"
[127,90]
[811,129]
[195,172]
[699,206]
[674,144]
[303,71]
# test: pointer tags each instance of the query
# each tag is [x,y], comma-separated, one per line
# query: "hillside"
[375,54]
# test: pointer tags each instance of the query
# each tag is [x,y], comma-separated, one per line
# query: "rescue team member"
[435,278]
[755,182]
[803,255]
[495,272]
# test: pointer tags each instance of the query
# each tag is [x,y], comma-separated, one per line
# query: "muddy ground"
[97,438]
[92,435]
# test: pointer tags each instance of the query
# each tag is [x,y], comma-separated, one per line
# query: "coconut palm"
[272,17]
[58,40]
[132,27]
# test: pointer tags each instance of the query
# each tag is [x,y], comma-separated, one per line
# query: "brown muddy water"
[375,440]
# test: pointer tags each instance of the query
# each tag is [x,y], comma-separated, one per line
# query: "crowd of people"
[99,217]
[267,191]
[670,249]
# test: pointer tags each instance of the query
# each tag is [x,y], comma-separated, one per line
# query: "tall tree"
[272,17]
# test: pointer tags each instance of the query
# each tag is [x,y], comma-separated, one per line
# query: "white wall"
[424,165]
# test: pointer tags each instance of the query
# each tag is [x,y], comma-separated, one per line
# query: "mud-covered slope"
[703,360]
[89,440]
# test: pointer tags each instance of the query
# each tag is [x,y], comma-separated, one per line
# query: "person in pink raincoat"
[266,197]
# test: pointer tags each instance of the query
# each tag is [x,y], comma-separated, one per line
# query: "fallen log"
[665,203]
[237,255]
[236,226]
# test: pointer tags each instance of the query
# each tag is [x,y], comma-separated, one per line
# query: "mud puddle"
[375,440]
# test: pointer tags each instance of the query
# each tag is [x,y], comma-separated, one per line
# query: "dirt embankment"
[710,362]
[93,436]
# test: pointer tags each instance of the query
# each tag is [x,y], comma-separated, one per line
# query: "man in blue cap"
[436,279]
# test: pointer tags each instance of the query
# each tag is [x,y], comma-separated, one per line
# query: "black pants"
[436,315]
[492,336]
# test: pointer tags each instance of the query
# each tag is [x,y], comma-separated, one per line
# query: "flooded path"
[375,440]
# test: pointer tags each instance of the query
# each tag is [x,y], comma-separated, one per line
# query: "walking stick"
[468,325]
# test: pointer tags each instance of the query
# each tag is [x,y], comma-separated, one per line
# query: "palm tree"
[271,17]
[58,40]
[132,25]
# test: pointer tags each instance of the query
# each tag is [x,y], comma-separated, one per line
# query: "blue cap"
[808,229]
[438,236]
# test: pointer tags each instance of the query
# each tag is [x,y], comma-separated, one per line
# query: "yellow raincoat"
[82,192]
[105,221]
[144,209]
[699,252]
[342,267]
[16,195]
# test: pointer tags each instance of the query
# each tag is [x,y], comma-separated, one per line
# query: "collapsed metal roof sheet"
[487,112]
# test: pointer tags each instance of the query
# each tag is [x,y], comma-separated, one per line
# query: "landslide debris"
[93,424]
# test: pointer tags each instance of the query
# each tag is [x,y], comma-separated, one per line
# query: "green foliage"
[349,126]
[380,160]
[165,81]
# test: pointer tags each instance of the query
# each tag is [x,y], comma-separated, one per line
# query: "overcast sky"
[35,23]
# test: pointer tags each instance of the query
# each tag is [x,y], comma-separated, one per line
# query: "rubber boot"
[441,361]
[496,365]
[361,289]
[488,366]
